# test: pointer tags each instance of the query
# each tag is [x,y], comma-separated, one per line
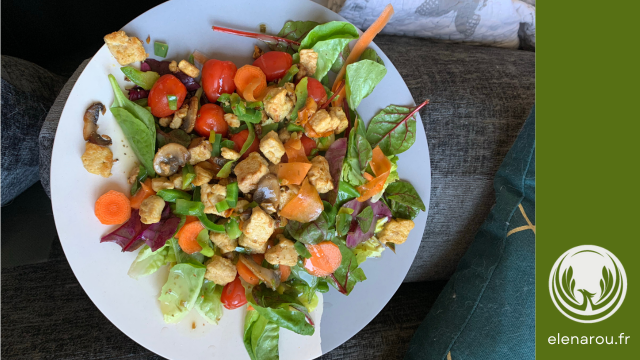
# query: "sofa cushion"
[480,97]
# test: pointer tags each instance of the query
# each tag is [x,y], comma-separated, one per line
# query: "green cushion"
[487,309]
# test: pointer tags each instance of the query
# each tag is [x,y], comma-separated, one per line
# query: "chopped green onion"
[144,79]
[160,49]
[186,207]
[191,59]
[215,140]
[289,75]
[226,169]
[255,105]
[188,175]
[232,194]
[226,143]
[171,195]
[210,225]
[173,101]
[232,228]
[293,127]
[196,194]
[236,130]
[222,206]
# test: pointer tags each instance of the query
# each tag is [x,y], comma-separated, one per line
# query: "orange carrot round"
[325,259]
[292,172]
[285,271]
[144,192]
[113,208]
[246,274]
[189,219]
[188,237]
[246,75]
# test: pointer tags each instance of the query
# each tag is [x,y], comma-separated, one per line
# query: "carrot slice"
[361,46]
[188,219]
[295,151]
[325,259]
[308,130]
[246,75]
[251,88]
[188,237]
[372,187]
[368,176]
[307,111]
[379,163]
[113,208]
[306,206]
[246,274]
[293,172]
[285,271]
[381,167]
[144,192]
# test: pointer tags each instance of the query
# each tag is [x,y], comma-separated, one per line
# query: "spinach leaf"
[362,77]
[328,40]
[137,134]
[346,192]
[144,79]
[293,30]
[365,153]
[301,98]
[370,54]
[404,201]
[392,130]
[136,110]
[293,320]
[179,293]
[312,232]
[348,273]
[365,218]
[343,223]
[260,337]
[351,170]
[177,136]
[208,303]
[342,57]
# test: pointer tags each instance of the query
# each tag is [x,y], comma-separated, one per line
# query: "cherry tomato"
[274,64]
[217,78]
[211,118]
[240,138]
[308,143]
[233,294]
[166,85]
[316,91]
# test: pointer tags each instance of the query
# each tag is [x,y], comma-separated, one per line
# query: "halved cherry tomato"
[274,64]
[240,138]
[233,294]
[211,118]
[166,85]
[217,78]
[316,91]
[308,144]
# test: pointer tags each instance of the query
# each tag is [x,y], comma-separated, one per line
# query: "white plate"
[101,269]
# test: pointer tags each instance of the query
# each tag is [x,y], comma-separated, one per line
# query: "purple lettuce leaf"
[125,235]
[335,156]
[136,93]
[162,68]
[355,235]
[156,235]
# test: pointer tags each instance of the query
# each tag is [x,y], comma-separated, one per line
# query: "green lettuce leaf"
[392,130]
[362,77]
[208,303]
[348,273]
[328,40]
[260,337]
[293,30]
[147,262]
[370,54]
[181,290]
[369,248]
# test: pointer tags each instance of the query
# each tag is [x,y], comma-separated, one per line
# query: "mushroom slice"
[270,277]
[90,129]
[189,121]
[267,193]
[170,158]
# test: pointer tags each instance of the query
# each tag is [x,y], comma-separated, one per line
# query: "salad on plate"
[257,185]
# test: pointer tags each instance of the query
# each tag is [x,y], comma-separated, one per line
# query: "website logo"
[588,283]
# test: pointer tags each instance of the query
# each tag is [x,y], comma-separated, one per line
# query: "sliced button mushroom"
[270,277]
[189,121]
[90,129]
[170,158]
[267,193]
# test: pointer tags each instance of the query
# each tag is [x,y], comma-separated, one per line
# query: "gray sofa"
[480,97]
